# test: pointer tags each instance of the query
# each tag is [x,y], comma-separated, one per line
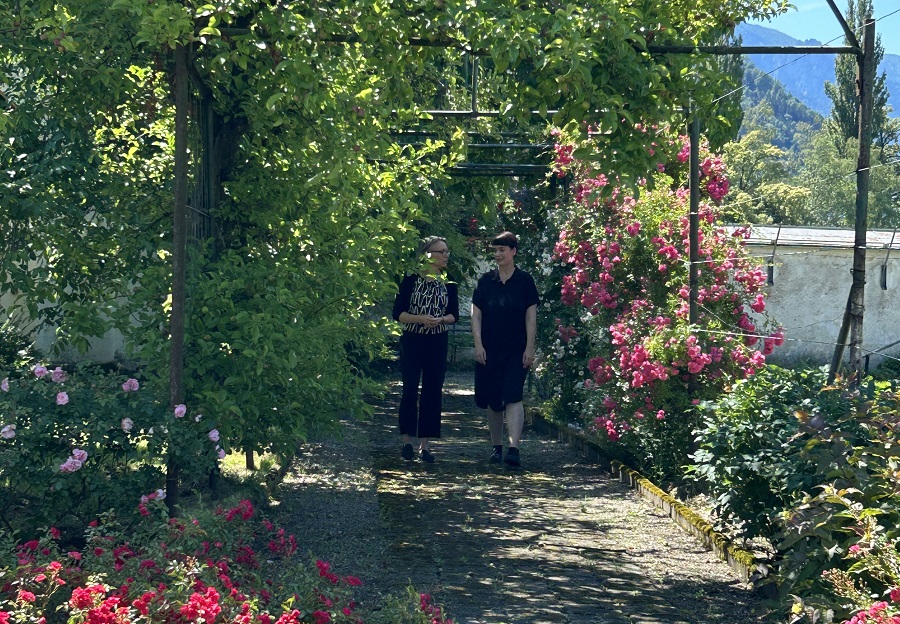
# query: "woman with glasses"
[427,304]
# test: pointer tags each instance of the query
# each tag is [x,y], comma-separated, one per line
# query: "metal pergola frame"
[854,313]
[852,323]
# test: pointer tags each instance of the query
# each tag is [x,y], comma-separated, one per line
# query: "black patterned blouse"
[429,296]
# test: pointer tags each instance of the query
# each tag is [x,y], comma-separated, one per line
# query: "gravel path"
[557,541]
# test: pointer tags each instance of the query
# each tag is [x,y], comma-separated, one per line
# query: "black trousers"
[423,358]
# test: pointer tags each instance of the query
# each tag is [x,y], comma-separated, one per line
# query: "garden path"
[558,541]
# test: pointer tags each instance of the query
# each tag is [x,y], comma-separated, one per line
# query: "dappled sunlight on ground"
[557,541]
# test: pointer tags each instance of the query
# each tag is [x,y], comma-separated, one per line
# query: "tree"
[760,191]
[844,119]
[785,120]
[829,174]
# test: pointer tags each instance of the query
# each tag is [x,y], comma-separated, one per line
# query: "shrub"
[16,350]
[226,566]
[856,505]
[760,446]
[889,369]
[815,469]
[74,443]
[621,350]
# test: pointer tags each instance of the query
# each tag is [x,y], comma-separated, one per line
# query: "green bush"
[889,369]
[75,443]
[16,350]
[857,504]
[813,468]
[760,446]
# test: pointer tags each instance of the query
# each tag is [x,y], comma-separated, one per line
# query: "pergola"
[853,317]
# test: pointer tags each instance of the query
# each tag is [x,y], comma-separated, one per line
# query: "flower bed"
[228,565]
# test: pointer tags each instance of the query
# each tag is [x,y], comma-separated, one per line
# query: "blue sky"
[813,19]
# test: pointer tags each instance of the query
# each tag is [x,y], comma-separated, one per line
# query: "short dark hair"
[428,241]
[507,239]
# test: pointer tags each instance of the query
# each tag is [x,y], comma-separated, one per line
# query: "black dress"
[501,379]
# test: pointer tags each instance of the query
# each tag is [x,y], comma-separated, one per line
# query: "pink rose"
[70,465]
[180,411]
[131,385]
[214,435]
[40,371]
[26,596]
[62,398]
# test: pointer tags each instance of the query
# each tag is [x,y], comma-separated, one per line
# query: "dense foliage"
[754,457]
[305,201]
[844,91]
[77,443]
[770,108]
[812,469]
[230,565]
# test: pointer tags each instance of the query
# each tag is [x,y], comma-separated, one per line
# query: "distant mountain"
[804,76]
[768,106]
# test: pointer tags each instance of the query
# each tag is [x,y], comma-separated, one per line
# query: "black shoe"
[512,457]
[496,455]
[427,457]
[407,452]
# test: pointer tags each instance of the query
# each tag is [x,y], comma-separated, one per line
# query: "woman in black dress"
[504,325]
[427,304]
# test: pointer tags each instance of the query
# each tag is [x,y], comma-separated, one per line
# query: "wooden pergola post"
[853,314]
[179,257]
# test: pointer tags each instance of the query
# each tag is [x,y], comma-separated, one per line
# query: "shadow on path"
[557,541]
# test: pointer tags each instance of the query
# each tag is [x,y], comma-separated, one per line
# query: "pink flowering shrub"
[621,264]
[74,443]
[867,590]
[227,566]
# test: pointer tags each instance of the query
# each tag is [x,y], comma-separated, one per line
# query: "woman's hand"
[480,355]
[430,321]
[527,359]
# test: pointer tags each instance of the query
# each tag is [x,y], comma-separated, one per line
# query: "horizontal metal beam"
[522,146]
[721,49]
[511,145]
[478,113]
[497,169]
[445,42]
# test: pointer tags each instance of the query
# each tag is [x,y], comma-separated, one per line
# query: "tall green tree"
[829,174]
[844,119]
[761,189]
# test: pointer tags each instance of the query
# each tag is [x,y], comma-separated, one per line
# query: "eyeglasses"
[445,252]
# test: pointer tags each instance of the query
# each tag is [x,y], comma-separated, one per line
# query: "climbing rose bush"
[620,263]
[229,565]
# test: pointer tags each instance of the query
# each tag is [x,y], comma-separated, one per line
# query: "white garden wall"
[811,284]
